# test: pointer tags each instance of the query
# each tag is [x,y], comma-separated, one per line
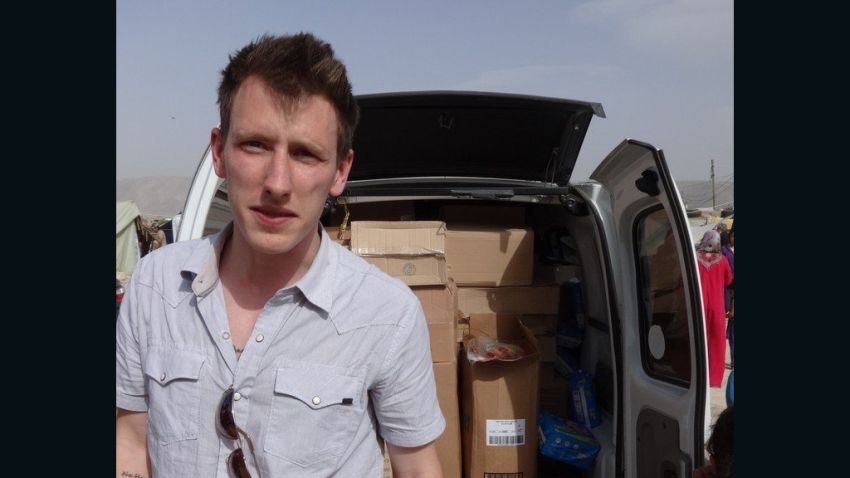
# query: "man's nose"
[278,181]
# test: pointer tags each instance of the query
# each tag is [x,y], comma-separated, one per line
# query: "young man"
[267,350]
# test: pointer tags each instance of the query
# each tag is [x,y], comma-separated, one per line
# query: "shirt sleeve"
[129,378]
[405,397]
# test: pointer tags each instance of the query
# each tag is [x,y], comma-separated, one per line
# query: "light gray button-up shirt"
[334,363]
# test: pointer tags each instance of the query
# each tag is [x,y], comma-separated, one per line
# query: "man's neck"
[255,276]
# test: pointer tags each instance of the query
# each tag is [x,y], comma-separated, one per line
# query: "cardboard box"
[413,251]
[490,256]
[545,329]
[438,302]
[554,391]
[499,403]
[439,305]
[508,300]
[483,215]
[448,445]
[443,342]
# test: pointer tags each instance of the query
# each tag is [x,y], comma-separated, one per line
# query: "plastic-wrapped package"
[566,441]
[584,405]
[484,349]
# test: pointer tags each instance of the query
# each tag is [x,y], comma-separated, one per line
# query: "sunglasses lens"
[224,419]
[236,463]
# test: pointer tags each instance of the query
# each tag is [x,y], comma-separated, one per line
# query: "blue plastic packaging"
[566,441]
[583,402]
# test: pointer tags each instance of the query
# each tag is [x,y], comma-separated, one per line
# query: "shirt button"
[237,396]
[225,335]
[162,377]
[317,400]
[260,338]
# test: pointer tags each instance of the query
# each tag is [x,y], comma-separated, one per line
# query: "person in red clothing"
[714,275]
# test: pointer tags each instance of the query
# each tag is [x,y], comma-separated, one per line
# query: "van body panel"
[457,133]
[638,186]
[198,201]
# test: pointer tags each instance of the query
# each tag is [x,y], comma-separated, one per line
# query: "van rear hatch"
[452,137]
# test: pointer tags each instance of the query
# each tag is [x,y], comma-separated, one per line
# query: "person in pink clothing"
[714,275]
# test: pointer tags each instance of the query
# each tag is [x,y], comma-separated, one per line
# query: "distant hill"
[165,195]
[154,196]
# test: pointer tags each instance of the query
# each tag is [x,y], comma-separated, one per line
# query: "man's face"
[279,160]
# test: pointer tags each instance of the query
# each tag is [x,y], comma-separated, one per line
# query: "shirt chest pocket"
[315,413]
[174,393]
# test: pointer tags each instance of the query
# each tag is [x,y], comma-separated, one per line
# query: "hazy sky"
[662,69]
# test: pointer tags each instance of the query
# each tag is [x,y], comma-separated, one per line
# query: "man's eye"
[306,154]
[253,146]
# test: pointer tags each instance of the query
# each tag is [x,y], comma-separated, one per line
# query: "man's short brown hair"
[294,66]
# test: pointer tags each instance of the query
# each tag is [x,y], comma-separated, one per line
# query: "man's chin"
[273,245]
[276,243]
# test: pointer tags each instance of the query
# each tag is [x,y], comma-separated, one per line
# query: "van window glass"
[665,339]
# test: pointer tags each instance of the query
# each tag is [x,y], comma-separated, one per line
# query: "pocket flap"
[164,365]
[318,386]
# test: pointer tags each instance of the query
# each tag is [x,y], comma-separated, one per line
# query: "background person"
[715,275]
[720,448]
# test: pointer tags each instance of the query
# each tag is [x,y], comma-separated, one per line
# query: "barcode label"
[506,432]
[503,475]
[506,441]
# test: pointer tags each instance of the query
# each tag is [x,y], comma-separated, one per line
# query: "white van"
[645,340]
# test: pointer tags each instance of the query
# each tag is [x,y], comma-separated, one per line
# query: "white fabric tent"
[126,239]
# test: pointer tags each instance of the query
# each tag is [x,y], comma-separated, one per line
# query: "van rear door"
[664,379]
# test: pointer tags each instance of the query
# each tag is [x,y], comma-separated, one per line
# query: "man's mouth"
[272,216]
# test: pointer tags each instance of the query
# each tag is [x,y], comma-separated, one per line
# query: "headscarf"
[708,249]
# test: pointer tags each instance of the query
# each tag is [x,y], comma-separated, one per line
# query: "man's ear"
[343,167]
[217,141]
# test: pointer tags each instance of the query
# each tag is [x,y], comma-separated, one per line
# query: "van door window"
[665,343]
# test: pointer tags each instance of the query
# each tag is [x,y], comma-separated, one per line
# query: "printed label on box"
[506,432]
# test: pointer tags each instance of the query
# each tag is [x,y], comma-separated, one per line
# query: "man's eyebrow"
[242,135]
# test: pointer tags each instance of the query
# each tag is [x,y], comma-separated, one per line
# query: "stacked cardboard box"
[484,256]
[500,404]
[553,389]
[413,251]
[439,304]
[494,269]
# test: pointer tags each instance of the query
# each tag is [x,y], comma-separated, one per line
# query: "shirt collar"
[316,284]
[202,264]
